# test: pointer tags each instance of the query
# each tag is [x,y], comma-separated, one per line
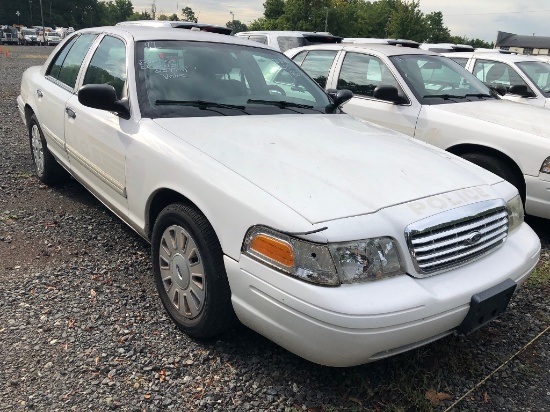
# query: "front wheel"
[498,167]
[189,272]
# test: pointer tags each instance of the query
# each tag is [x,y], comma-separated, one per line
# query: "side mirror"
[103,97]
[388,93]
[500,89]
[520,90]
[339,97]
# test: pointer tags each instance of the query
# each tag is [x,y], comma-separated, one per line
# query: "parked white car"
[284,40]
[525,78]
[430,97]
[342,241]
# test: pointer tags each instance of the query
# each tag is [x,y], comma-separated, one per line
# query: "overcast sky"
[471,18]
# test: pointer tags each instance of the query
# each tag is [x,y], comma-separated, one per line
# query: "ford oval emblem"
[473,238]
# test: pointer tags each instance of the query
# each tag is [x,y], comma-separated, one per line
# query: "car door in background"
[362,73]
[494,73]
[97,139]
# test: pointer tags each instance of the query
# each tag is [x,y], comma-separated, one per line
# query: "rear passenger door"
[56,88]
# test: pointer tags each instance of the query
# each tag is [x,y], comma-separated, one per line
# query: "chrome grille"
[456,237]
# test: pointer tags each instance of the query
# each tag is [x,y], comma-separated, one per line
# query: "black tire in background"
[498,167]
[189,272]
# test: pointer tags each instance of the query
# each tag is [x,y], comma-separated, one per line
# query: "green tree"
[144,15]
[436,30]
[236,26]
[188,14]
[273,9]
[407,21]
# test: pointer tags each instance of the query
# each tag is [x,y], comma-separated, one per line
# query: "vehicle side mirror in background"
[388,93]
[103,97]
[500,89]
[521,90]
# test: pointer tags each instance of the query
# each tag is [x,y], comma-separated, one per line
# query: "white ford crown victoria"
[428,96]
[525,79]
[342,241]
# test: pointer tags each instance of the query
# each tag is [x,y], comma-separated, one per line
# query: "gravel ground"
[82,328]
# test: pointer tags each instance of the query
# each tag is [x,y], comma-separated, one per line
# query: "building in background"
[517,43]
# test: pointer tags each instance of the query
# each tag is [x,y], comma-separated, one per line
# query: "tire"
[498,167]
[46,167]
[189,272]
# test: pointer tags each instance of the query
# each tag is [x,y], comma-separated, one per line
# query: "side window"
[258,38]
[108,65]
[67,64]
[460,60]
[317,64]
[492,73]
[299,58]
[290,42]
[362,74]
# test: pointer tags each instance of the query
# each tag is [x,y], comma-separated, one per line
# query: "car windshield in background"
[538,73]
[190,79]
[439,80]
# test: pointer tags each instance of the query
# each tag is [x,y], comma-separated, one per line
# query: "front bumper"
[354,324]
[537,200]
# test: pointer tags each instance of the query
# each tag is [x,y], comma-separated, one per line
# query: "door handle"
[39,93]
[70,112]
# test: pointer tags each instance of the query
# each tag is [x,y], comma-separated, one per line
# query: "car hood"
[327,167]
[517,116]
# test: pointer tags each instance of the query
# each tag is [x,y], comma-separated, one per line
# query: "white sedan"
[525,79]
[341,241]
[432,98]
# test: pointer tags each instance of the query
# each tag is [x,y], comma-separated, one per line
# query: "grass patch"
[540,275]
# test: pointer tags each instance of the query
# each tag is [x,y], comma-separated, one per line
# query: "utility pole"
[42,18]
[232,20]
[18,14]
[30,8]
[153,9]
[326,19]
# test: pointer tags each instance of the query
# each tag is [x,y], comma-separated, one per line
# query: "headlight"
[369,259]
[515,213]
[545,168]
[328,265]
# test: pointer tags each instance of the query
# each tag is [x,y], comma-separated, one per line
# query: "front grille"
[456,237]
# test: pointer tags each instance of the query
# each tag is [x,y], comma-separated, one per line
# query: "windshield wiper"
[480,95]
[201,104]
[282,104]
[442,96]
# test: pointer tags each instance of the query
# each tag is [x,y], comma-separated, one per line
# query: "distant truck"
[8,35]
[28,36]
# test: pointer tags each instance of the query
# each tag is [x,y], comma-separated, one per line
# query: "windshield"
[538,73]
[440,80]
[28,32]
[196,79]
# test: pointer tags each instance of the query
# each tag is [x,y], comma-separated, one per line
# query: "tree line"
[401,19]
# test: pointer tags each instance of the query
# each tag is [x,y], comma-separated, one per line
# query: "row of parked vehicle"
[271,193]
[33,35]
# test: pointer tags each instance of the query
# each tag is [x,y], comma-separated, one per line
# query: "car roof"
[145,33]
[180,24]
[385,49]
[502,57]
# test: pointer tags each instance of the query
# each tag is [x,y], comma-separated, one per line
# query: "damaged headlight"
[329,265]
